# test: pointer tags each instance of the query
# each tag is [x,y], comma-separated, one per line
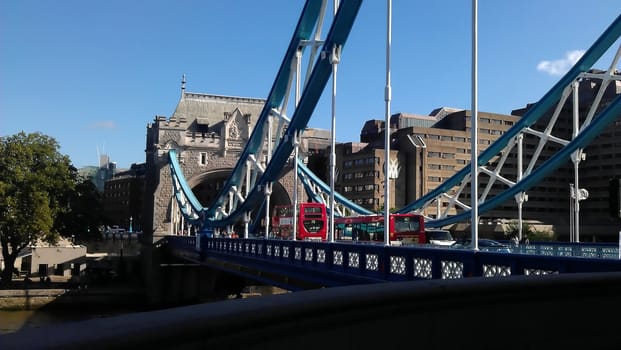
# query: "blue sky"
[93,74]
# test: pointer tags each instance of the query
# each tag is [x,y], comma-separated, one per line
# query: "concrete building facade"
[210,131]
[427,150]
[44,259]
[123,198]
[423,154]
[551,200]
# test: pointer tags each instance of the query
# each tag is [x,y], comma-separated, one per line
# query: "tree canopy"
[85,216]
[36,185]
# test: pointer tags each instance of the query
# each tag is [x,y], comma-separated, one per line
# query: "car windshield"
[440,235]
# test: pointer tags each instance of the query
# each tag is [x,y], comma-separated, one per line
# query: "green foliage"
[381,209]
[36,182]
[85,214]
[528,231]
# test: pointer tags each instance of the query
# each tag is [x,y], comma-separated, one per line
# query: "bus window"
[311,221]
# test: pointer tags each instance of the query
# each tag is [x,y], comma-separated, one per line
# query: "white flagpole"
[333,136]
[474,171]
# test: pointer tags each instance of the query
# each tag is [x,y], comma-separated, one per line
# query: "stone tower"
[209,133]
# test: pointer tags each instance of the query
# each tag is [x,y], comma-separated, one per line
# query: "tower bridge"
[235,148]
[507,167]
[208,132]
[553,132]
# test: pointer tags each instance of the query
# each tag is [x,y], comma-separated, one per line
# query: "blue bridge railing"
[336,264]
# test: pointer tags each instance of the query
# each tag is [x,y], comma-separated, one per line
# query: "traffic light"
[615,197]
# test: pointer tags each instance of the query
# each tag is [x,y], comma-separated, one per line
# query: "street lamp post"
[387,99]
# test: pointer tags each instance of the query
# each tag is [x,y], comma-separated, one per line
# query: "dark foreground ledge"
[567,311]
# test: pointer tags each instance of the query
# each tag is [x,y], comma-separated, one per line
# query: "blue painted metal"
[176,173]
[337,36]
[601,45]
[303,30]
[254,224]
[337,264]
[308,178]
[606,117]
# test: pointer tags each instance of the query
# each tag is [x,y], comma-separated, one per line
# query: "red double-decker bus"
[405,228]
[312,221]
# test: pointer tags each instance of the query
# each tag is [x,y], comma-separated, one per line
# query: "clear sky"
[93,74]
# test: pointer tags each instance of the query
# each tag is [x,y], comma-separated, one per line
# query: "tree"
[528,231]
[85,216]
[36,182]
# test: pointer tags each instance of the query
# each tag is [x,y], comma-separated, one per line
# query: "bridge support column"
[184,284]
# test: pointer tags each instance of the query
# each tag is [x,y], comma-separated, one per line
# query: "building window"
[203,158]
[369,187]
[448,155]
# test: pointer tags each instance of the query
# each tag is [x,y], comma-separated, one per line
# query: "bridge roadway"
[556,311]
[298,265]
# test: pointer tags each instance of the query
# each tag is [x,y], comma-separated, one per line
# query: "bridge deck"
[296,265]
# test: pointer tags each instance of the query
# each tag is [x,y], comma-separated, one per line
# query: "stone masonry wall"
[201,153]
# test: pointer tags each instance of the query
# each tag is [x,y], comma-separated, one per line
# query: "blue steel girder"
[611,113]
[306,24]
[322,70]
[557,93]
[258,177]
[320,192]
[188,203]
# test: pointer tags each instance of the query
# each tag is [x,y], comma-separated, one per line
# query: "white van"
[439,237]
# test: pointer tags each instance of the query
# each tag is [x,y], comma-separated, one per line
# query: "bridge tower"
[208,133]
